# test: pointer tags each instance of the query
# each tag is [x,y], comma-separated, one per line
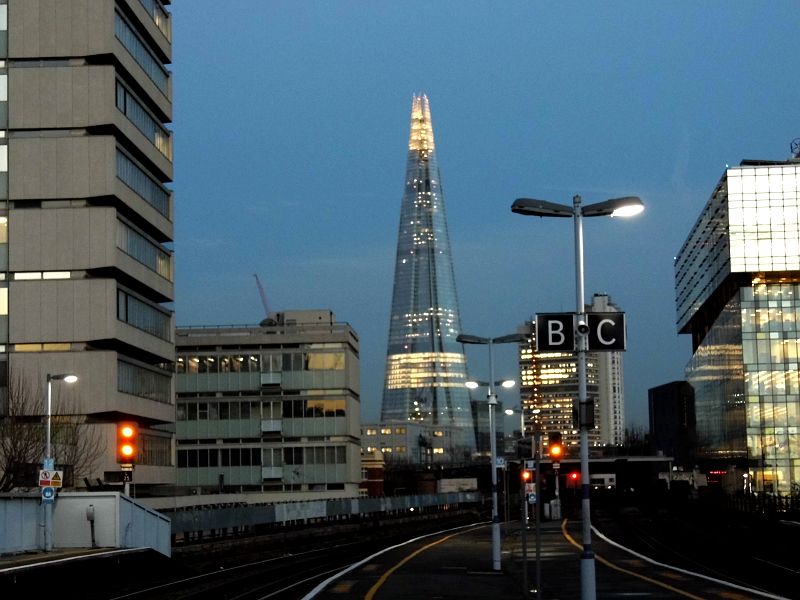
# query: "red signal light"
[127,442]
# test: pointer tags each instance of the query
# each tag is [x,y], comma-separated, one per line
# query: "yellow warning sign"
[51,478]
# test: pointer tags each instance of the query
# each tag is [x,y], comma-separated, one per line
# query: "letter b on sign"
[555,332]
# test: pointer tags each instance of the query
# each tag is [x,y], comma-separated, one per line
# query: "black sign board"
[555,332]
[606,331]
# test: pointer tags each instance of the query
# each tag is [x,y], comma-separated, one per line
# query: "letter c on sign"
[600,337]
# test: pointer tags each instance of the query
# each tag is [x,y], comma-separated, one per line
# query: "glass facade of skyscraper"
[425,365]
[738,293]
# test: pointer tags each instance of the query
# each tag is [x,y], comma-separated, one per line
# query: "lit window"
[386,430]
[438,450]
[54,347]
[372,432]
[28,347]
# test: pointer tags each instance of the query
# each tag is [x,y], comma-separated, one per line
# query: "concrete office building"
[549,389]
[737,287]
[272,408]
[86,221]
[425,366]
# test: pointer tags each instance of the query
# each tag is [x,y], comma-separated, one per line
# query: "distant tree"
[75,443]
[637,441]
[22,437]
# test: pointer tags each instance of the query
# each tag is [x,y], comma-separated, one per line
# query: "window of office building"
[136,178]
[314,408]
[155,450]
[144,250]
[143,315]
[141,53]
[137,114]
[232,410]
[145,383]
[3,30]
[160,16]
[770,314]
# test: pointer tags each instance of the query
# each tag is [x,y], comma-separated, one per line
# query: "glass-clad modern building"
[737,283]
[425,365]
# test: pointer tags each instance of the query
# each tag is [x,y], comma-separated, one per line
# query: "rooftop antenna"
[268,320]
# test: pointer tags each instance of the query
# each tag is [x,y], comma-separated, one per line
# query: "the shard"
[425,365]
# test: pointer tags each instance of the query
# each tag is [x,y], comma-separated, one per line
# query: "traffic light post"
[526,477]
[556,449]
[127,451]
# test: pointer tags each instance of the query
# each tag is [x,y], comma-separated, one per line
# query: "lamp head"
[508,383]
[626,206]
[67,377]
[473,385]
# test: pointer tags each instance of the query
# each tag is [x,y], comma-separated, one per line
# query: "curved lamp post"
[617,207]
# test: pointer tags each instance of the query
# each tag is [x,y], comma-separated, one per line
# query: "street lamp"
[49,461]
[492,399]
[511,412]
[617,207]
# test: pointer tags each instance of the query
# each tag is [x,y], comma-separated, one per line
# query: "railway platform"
[458,564]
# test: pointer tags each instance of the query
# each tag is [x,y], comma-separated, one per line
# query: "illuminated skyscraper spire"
[425,366]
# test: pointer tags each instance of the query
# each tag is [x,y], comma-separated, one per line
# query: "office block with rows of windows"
[270,408]
[86,226]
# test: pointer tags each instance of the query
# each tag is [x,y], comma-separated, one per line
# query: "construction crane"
[267,319]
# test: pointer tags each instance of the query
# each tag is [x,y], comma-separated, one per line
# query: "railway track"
[756,555]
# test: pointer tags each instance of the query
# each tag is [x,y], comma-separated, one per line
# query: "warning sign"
[50,478]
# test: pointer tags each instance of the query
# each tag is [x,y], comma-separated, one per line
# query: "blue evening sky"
[291,128]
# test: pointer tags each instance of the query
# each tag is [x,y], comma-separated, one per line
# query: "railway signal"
[127,443]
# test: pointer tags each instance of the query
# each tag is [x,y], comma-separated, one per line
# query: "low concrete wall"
[119,522]
[207,517]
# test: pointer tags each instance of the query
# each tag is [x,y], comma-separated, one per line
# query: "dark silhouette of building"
[672,421]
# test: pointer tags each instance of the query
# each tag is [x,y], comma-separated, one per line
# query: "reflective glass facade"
[425,366]
[737,292]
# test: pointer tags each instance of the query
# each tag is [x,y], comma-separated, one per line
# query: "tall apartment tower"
[425,366]
[737,289]
[610,383]
[549,388]
[86,225]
